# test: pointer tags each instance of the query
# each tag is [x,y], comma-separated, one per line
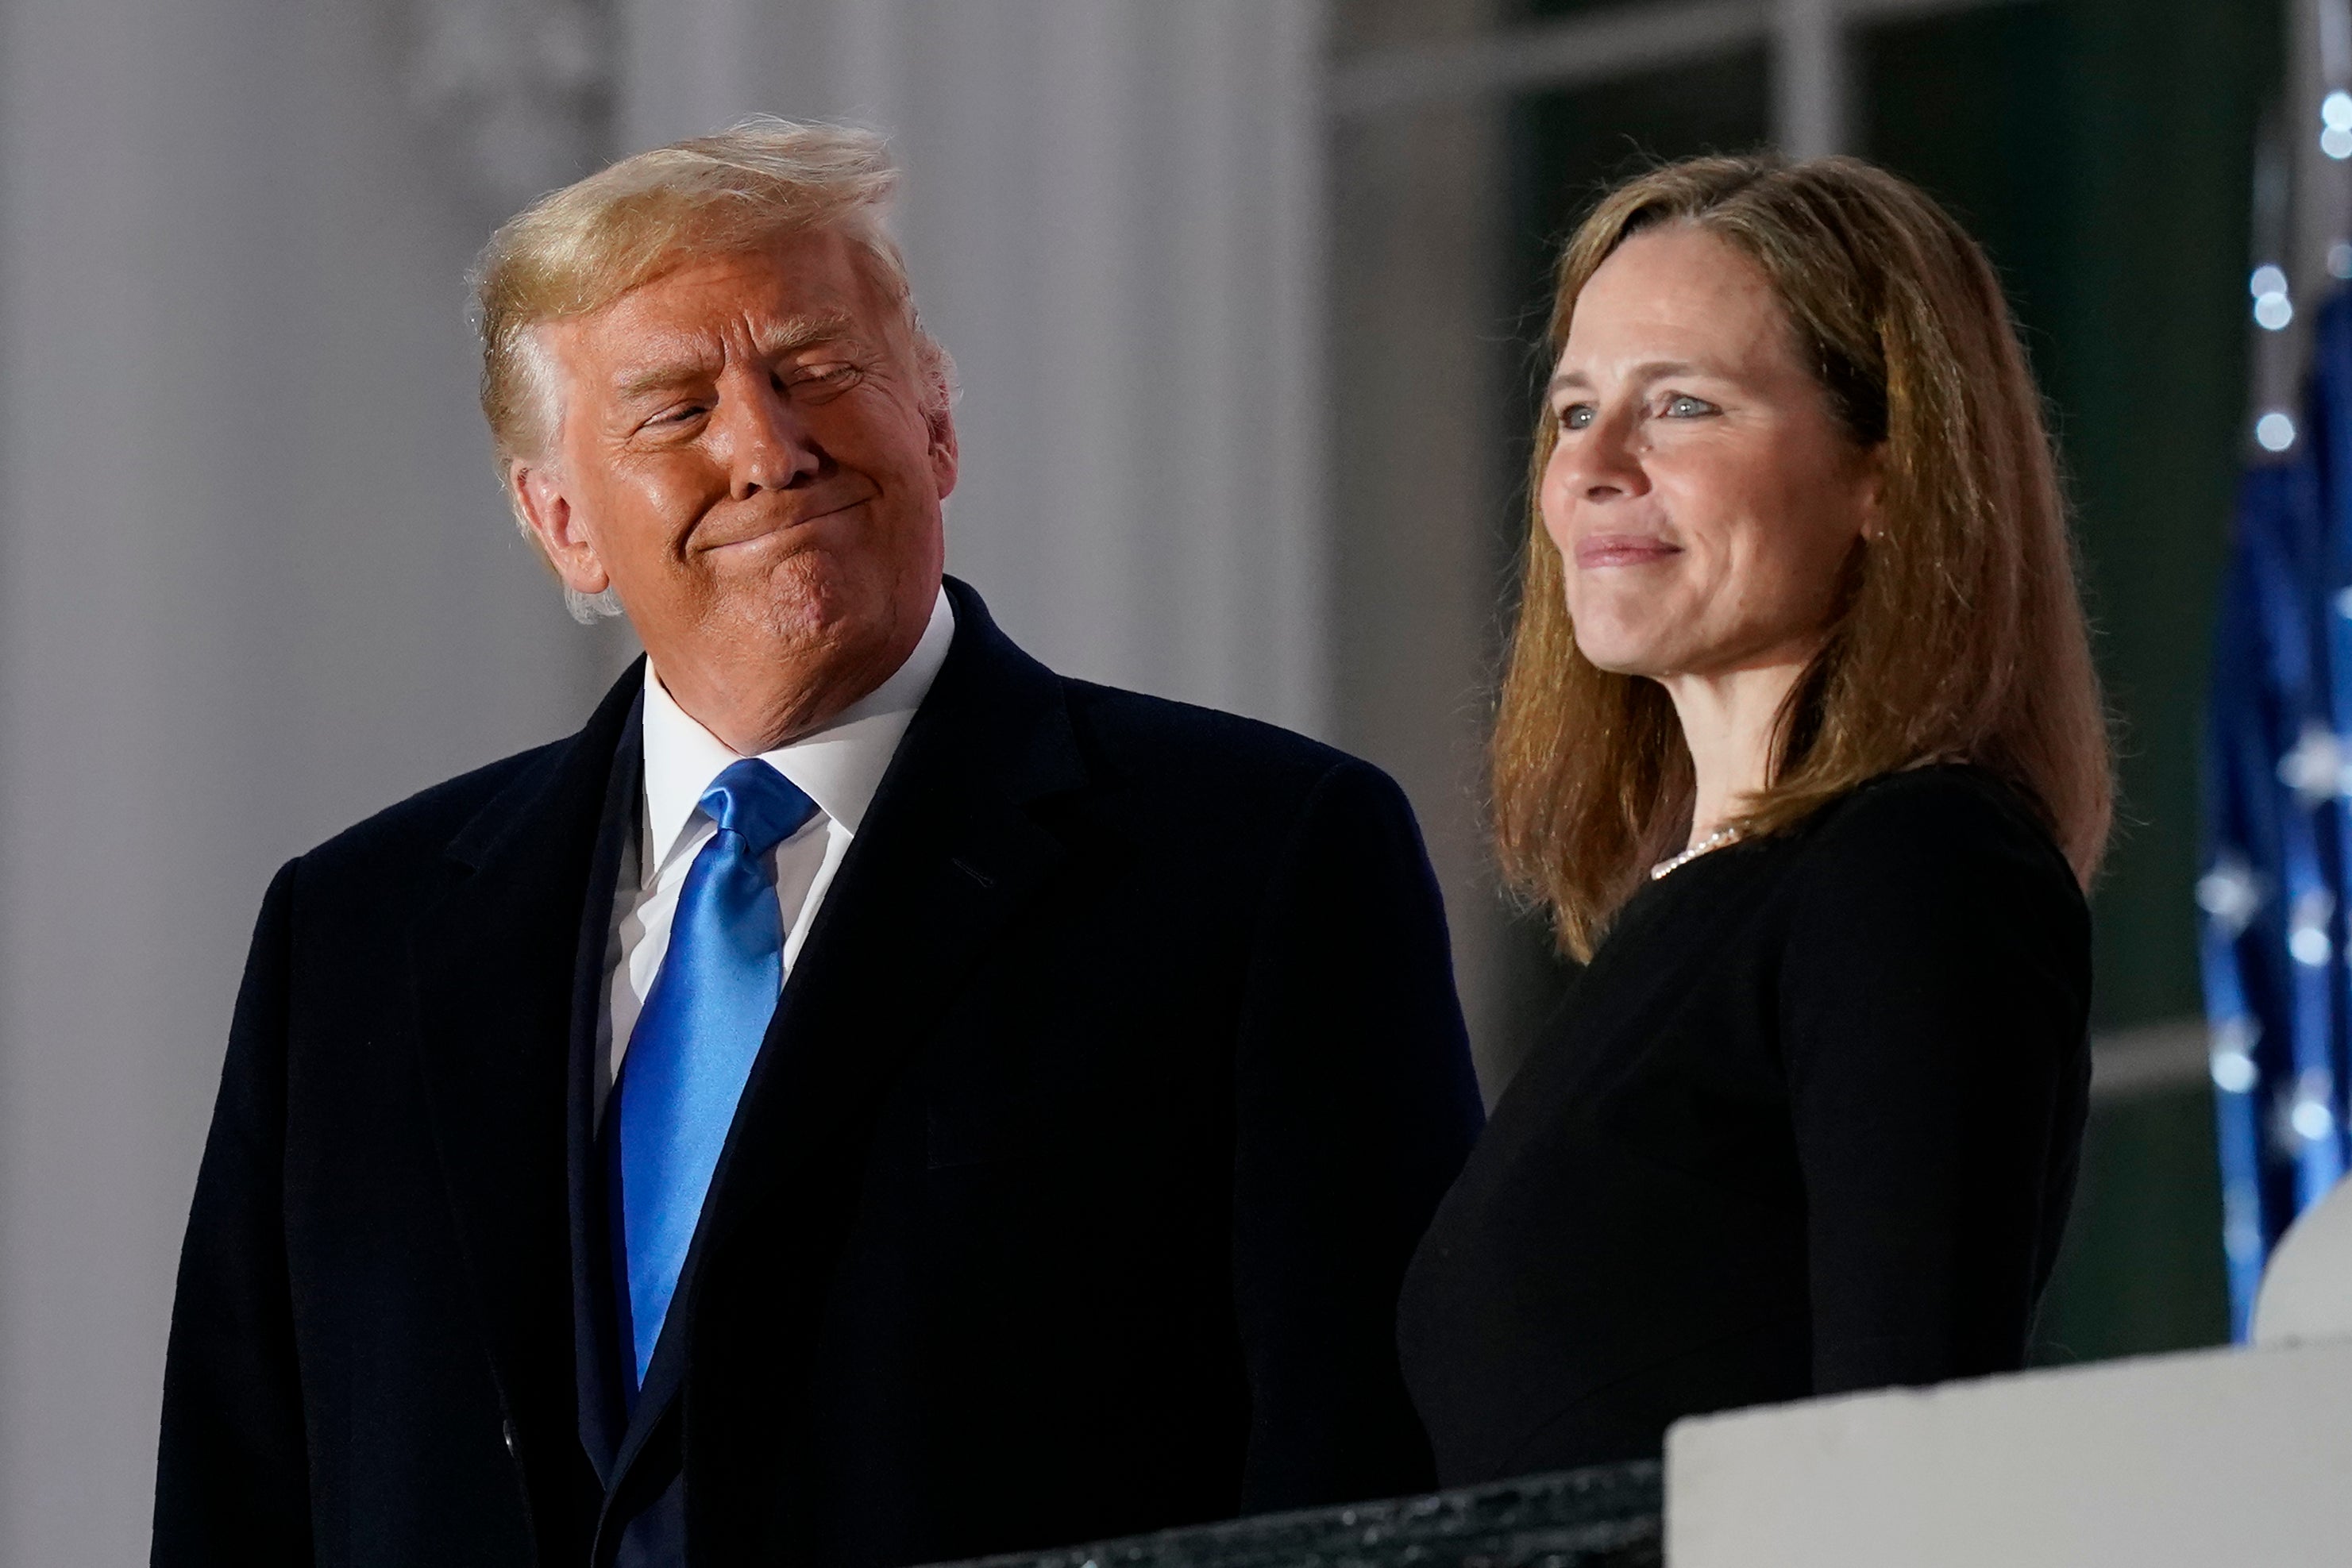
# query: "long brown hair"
[1961,635]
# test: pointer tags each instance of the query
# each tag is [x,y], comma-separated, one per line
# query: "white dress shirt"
[838,766]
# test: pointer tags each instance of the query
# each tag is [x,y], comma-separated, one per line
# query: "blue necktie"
[693,1046]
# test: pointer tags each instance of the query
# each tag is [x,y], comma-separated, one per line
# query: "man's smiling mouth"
[777,530]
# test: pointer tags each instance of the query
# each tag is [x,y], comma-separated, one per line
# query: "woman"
[1801,749]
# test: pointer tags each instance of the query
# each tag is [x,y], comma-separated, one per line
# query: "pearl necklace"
[1714,840]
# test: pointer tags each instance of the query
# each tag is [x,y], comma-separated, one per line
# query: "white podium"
[2208,1459]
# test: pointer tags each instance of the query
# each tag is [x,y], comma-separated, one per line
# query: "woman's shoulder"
[1944,829]
[1940,798]
[1931,908]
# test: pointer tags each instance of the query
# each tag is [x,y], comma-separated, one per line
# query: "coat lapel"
[494,964]
[594,1250]
[948,852]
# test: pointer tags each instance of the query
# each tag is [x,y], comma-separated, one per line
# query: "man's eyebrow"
[1651,370]
[785,337]
[800,331]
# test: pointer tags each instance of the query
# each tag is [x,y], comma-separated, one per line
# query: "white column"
[689,67]
[1113,216]
[255,582]
[1810,84]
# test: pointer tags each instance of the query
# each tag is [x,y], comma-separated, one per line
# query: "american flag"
[2277,871]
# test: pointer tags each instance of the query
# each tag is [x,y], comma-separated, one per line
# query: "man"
[864,1099]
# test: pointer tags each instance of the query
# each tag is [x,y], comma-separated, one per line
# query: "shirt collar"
[839,765]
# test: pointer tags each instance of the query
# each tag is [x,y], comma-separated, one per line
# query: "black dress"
[1807,1124]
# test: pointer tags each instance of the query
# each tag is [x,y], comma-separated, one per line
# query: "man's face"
[749,454]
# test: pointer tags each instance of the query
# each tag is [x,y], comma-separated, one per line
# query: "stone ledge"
[1605,1517]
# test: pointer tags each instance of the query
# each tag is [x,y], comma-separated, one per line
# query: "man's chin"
[811,614]
[806,606]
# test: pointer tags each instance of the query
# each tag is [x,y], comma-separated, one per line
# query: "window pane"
[2106,164]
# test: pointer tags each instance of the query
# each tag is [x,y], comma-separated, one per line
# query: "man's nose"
[767,445]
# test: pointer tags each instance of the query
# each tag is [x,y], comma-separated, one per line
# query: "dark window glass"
[2104,154]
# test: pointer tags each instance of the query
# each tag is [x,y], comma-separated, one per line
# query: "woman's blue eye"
[1682,406]
[1576,416]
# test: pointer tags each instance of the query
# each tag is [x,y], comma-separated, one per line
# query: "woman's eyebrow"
[1648,370]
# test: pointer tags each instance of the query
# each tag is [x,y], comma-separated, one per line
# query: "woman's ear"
[1872,499]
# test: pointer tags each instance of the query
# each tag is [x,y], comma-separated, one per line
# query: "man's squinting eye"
[829,377]
[674,415]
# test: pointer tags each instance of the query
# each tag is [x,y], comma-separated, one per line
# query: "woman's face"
[1702,494]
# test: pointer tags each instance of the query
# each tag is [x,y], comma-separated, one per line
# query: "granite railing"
[1606,1517]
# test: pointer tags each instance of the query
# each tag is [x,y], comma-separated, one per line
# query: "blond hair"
[1960,634]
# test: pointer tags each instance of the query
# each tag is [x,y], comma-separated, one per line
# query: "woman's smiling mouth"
[1622,549]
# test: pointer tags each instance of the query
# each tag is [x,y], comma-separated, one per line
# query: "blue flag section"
[2277,874]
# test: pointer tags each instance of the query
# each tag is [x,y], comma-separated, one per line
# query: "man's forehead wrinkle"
[681,355]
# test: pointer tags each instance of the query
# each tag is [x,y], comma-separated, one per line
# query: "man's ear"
[540,500]
[945,458]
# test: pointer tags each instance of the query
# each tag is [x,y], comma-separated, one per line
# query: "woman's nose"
[1600,460]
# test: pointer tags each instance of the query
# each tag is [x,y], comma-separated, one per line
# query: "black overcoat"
[1069,1195]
